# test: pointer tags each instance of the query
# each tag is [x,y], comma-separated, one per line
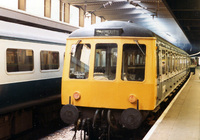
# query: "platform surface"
[181,120]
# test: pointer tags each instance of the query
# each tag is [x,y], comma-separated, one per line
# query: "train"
[31,64]
[115,73]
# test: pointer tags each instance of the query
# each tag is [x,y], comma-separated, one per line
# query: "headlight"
[77,95]
[132,98]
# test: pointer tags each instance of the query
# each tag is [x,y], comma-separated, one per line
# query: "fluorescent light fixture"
[135,1]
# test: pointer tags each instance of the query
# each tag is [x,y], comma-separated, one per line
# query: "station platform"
[181,119]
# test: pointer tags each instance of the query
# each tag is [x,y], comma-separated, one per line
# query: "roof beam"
[127,16]
[187,15]
[84,2]
[113,6]
[190,23]
[185,9]
[127,11]
[183,4]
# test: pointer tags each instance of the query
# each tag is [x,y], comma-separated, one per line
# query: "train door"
[159,73]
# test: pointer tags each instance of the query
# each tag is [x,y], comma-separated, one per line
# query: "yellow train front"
[110,76]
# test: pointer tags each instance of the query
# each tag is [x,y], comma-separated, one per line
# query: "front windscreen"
[133,62]
[80,59]
[105,61]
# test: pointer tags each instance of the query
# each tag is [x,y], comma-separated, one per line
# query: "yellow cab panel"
[112,72]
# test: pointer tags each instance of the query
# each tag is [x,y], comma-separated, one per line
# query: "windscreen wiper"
[74,47]
[136,41]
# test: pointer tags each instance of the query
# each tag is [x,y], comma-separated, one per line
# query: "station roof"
[177,21]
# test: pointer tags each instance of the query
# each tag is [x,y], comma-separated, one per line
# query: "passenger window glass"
[173,62]
[181,63]
[168,62]
[49,60]
[133,62]
[178,64]
[105,61]
[175,56]
[80,59]
[19,60]
[184,62]
[163,62]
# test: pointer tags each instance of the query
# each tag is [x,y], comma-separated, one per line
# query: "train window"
[163,62]
[105,61]
[168,62]
[173,62]
[178,63]
[181,63]
[19,60]
[79,63]
[133,62]
[158,54]
[185,62]
[49,60]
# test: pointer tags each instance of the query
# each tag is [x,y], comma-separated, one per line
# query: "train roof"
[18,31]
[113,28]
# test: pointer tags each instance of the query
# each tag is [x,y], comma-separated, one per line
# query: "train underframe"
[33,114]
[102,123]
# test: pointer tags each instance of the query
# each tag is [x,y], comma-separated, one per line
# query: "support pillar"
[66,12]
[22,5]
[93,18]
[81,17]
[103,19]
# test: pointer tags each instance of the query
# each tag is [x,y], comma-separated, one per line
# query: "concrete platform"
[181,119]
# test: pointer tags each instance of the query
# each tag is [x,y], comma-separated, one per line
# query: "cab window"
[133,62]
[105,61]
[79,62]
